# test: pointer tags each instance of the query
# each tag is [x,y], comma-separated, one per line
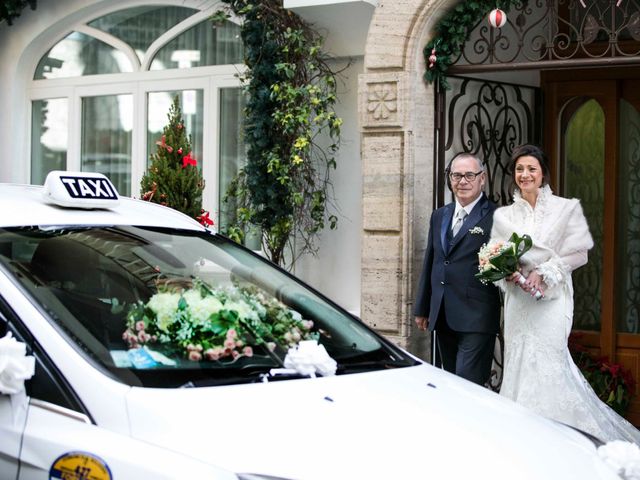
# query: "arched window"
[100,96]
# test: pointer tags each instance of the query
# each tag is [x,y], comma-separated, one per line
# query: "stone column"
[397,133]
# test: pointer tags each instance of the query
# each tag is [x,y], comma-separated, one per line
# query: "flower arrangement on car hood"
[203,323]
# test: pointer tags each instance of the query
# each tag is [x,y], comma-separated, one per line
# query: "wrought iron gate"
[488,119]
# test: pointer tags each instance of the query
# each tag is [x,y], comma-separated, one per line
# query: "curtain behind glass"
[584,179]
[49,133]
[139,27]
[106,138]
[200,46]
[628,235]
[232,158]
[79,54]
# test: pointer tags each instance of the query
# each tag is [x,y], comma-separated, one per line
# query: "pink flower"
[235,354]
[211,354]
[140,325]
[231,333]
[239,343]
[230,344]
[247,351]
[195,356]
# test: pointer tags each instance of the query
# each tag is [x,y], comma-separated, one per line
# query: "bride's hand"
[513,277]
[534,283]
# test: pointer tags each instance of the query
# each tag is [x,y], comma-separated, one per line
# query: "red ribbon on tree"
[163,144]
[204,218]
[188,160]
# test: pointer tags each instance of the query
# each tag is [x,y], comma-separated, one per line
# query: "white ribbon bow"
[15,366]
[309,358]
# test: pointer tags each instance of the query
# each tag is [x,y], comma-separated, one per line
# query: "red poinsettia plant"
[613,383]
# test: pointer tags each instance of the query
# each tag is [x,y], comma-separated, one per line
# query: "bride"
[539,372]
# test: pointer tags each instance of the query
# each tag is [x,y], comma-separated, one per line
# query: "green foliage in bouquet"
[613,384]
[203,323]
[499,259]
[173,178]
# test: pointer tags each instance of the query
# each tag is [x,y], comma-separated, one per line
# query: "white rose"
[244,310]
[204,308]
[164,305]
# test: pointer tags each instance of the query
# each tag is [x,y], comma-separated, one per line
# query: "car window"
[166,307]
[47,383]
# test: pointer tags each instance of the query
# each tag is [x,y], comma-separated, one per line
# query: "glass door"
[593,138]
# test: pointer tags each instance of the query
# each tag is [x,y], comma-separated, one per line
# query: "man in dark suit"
[450,299]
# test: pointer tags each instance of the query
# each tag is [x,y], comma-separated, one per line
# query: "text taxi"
[164,350]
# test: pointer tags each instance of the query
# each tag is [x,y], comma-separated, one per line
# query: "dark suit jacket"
[448,276]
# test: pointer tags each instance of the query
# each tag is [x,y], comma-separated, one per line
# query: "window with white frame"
[100,96]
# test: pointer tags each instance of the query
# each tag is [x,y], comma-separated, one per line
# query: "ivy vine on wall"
[452,31]
[283,190]
[11,9]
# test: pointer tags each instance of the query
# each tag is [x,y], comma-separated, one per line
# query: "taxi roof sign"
[80,190]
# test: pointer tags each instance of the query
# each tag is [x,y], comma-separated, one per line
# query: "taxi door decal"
[79,466]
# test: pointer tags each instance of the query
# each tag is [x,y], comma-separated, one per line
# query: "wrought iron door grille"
[488,119]
[554,31]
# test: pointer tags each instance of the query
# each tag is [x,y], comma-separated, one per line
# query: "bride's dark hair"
[530,151]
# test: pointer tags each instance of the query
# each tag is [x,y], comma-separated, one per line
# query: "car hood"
[415,422]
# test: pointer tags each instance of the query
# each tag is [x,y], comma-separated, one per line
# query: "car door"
[59,443]
[12,421]
[48,433]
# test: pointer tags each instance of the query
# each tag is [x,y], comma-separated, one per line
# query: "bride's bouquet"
[499,259]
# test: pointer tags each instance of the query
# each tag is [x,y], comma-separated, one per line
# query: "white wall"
[335,271]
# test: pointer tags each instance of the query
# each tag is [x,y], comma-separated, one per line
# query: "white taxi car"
[164,350]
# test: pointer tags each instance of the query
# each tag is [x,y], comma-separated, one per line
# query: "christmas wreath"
[451,32]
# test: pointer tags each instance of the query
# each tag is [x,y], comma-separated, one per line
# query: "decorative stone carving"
[382,102]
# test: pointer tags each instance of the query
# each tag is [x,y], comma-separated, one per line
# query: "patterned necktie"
[459,221]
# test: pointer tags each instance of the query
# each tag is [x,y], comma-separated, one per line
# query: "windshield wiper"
[246,375]
[373,365]
[282,374]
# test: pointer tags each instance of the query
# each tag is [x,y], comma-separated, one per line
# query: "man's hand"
[422,322]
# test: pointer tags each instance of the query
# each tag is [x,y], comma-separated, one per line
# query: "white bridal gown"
[539,372]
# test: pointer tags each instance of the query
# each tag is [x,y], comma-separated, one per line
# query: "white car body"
[411,422]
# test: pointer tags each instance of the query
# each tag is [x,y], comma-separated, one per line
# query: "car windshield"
[164,307]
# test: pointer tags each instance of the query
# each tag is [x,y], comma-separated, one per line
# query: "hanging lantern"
[497,18]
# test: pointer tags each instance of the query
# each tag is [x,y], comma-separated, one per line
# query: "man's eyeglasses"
[469,176]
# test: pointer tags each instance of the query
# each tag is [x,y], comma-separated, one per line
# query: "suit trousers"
[467,354]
